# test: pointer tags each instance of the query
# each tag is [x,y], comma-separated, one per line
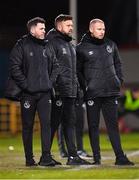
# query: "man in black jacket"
[66,84]
[33,69]
[100,76]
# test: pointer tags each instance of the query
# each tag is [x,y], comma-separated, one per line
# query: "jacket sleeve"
[118,64]
[54,68]
[16,66]
[80,74]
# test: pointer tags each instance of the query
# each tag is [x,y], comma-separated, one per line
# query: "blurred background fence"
[10,118]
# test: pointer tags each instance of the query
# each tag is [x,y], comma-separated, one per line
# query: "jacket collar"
[54,33]
[88,38]
[36,40]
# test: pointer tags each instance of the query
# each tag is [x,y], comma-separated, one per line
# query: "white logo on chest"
[64,51]
[90,53]
[109,49]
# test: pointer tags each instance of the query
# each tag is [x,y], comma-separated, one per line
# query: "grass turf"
[12,161]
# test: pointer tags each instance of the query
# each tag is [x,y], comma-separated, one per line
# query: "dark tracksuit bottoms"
[55,116]
[80,113]
[56,123]
[108,105]
[79,127]
[61,139]
[40,102]
[68,122]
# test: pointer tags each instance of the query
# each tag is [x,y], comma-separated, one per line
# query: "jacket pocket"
[12,90]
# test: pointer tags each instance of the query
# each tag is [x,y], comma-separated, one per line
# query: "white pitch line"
[134,153]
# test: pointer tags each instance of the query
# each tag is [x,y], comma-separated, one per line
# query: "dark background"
[120,17]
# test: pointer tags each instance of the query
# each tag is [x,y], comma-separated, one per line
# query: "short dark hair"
[62,17]
[34,22]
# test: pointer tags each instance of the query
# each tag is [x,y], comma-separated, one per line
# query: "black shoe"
[56,162]
[77,161]
[96,162]
[97,159]
[123,161]
[46,161]
[31,162]
[64,154]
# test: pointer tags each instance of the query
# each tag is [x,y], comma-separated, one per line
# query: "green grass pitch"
[12,162]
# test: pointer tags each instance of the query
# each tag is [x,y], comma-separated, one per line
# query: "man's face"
[38,31]
[66,27]
[98,30]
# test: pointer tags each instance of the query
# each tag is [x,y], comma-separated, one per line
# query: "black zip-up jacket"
[99,67]
[66,56]
[33,66]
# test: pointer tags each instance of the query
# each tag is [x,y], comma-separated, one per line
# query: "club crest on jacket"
[109,49]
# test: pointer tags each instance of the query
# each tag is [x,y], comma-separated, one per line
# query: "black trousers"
[61,139]
[56,114]
[56,124]
[67,119]
[80,118]
[40,102]
[79,128]
[108,105]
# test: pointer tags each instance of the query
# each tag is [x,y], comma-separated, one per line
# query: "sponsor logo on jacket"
[90,53]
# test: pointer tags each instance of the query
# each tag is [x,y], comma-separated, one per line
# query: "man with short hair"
[100,76]
[66,85]
[33,68]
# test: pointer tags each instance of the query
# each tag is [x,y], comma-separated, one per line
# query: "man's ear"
[32,30]
[91,30]
[59,26]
